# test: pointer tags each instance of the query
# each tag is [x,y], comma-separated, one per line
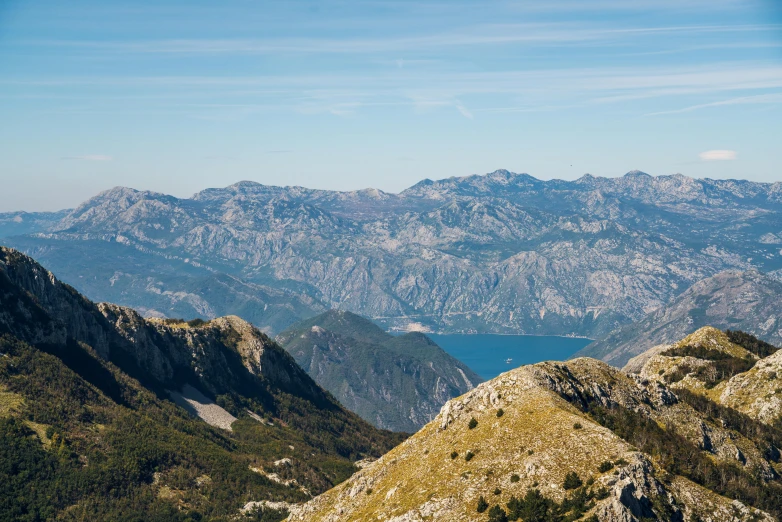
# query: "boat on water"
[508,360]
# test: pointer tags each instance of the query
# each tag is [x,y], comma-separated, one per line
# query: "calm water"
[486,354]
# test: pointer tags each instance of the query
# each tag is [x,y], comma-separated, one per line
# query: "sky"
[178,96]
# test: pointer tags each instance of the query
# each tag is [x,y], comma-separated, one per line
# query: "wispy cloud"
[464,111]
[484,35]
[89,157]
[772,98]
[718,155]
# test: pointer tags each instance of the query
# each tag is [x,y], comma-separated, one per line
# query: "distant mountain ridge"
[731,300]
[498,253]
[397,383]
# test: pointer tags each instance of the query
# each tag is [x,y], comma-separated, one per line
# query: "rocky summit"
[579,441]
[498,253]
[395,382]
[726,368]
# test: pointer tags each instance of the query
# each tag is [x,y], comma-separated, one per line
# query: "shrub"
[751,343]
[468,456]
[577,426]
[473,423]
[454,454]
[532,507]
[497,514]
[497,491]
[500,412]
[572,481]
[605,466]
[514,478]
[482,505]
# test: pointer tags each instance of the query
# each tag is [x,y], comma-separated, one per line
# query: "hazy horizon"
[281,185]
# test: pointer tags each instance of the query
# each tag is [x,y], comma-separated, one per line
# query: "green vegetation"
[677,455]
[577,426]
[751,343]
[514,478]
[119,452]
[768,437]
[497,514]
[605,466]
[468,456]
[500,412]
[722,365]
[454,454]
[472,424]
[572,481]
[482,505]
[535,507]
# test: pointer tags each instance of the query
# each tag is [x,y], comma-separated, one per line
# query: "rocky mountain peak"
[732,369]
[532,431]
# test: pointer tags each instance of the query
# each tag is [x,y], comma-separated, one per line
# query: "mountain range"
[497,253]
[394,382]
[105,415]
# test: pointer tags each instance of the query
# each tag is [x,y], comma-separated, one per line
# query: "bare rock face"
[526,430]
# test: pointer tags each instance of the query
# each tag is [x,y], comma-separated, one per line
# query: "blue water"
[486,354]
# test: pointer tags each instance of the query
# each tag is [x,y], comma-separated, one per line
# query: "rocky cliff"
[397,383]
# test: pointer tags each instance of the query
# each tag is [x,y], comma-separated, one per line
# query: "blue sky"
[180,96]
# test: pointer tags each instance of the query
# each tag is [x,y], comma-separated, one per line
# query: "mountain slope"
[86,412]
[732,369]
[396,383]
[747,301]
[565,441]
[501,253]
[162,286]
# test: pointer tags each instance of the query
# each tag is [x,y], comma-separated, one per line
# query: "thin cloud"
[718,155]
[89,157]
[464,111]
[489,34]
[757,99]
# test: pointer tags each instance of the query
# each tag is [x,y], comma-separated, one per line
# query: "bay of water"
[486,354]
